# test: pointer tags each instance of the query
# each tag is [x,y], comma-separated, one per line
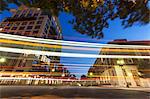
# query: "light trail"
[37,52]
[69,43]
[69,47]
[68,79]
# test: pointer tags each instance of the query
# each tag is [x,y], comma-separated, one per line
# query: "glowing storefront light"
[2,60]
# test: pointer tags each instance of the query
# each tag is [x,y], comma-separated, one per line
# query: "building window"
[7,27]
[16,24]
[9,24]
[15,16]
[31,22]
[130,61]
[39,22]
[18,33]
[35,32]
[37,27]
[29,27]
[24,23]
[30,13]
[27,33]
[11,32]
[41,17]
[36,14]
[22,28]
[47,25]
[45,30]
[23,13]
[2,25]
[14,28]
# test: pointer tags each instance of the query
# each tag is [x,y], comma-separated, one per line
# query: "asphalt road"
[47,92]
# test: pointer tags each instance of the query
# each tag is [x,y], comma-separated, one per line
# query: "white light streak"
[67,43]
[21,78]
[37,52]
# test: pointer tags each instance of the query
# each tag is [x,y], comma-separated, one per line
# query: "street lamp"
[91,74]
[63,75]
[2,60]
[53,70]
[121,62]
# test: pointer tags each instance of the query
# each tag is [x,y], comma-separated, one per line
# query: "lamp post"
[121,62]
[91,74]
[2,60]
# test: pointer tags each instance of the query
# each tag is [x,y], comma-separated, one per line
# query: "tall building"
[131,72]
[30,22]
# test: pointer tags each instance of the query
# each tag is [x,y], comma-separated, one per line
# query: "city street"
[47,92]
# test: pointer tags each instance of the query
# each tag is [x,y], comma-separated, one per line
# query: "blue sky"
[115,31]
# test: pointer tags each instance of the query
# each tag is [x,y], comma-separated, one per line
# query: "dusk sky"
[115,31]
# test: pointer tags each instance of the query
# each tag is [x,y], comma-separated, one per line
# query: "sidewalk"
[138,89]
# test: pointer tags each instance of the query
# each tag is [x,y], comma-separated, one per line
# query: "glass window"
[36,14]
[15,16]
[16,24]
[2,24]
[29,27]
[45,30]
[47,26]
[14,28]
[35,32]
[37,27]
[27,33]
[30,13]
[7,27]
[23,13]
[11,32]
[22,28]
[24,23]
[39,22]
[9,24]
[31,22]
[41,17]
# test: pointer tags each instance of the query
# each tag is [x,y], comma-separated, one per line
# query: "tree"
[91,16]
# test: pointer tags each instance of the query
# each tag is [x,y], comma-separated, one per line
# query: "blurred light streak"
[37,52]
[78,65]
[68,47]
[69,43]
[29,78]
